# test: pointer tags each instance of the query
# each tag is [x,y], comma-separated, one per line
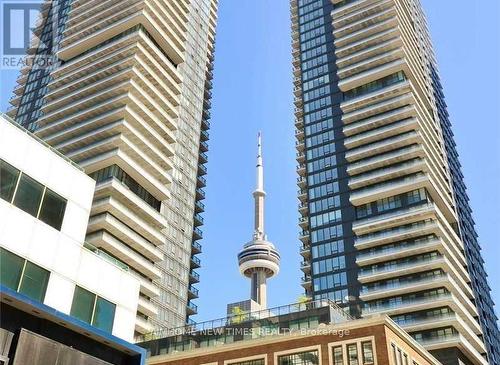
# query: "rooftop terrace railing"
[338,315]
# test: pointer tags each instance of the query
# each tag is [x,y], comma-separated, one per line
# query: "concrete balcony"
[357,21]
[194,262]
[353,58]
[146,286]
[303,208]
[384,146]
[299,134]
[146,307]
[394,253]
[365,34]
[395,218]
[385,159]
[142,326]
[301,169]
[397,270]
[196,248]
[301,157]
[113,187]
[191,308]
[305,251]
[306,282]
[396,234]
[469,345]
[109,223]
[192,292]
[378,100]
[199,207]
[390,173]
[197,233]
[381,133]
[119,250]
[198,220]
[304,236]
[403,288]
[194,277]
[379,120]
[305,266]
[127,217]
[302,195]
[302,182]
[304,222]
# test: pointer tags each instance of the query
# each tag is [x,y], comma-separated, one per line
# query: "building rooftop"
[243,326]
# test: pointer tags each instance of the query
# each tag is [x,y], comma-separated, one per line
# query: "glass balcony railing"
[198,232]
[387,185]
[196,246]
[403,303]
[200,192]
[396,249]
[394,231]
[192,306]
[401,285]
[202,169]
[105,256]
[394,267]
[193,290]
[385,170]
[194,275]
[198,217]
[200,206]
[408,321]
[196,261]
[204,146]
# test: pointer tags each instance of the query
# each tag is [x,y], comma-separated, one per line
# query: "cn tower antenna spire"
[259,193]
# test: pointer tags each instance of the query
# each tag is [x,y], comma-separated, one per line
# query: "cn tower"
[259,259]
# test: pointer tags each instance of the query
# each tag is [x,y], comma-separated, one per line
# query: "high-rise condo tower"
[386,226]
[127,95]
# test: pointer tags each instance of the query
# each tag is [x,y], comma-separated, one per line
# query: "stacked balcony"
[393,147]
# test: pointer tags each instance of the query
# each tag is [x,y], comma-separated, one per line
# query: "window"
[28,195]
[11,269]
[375,85]
[352,354]
[303,358]
[250,362]
[52,210]
[93,309]
[31,196]
[416,196]
[23,276]
[367,349]
[338,356]
[364,210]
[392,202]
[8,180]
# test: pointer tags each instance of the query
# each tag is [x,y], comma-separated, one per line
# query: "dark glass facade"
[324,156]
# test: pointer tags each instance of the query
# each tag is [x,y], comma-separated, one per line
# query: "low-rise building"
[59,295]
[316,333]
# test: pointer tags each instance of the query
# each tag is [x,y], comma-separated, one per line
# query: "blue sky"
[253,84]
